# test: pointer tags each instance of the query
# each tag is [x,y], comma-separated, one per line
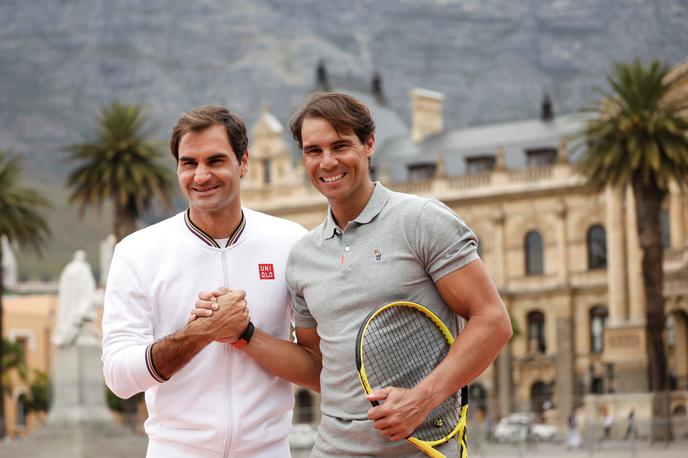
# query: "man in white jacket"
[204,397]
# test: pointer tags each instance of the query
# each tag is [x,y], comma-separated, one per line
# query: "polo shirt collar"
[375,204]
[208,240]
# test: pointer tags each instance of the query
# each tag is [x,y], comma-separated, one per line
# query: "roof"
[455,145]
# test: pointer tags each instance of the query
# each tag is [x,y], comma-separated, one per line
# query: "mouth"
[332,179]
[205,189]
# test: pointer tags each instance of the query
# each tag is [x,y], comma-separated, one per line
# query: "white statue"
[107,248]
[9,264]
[76,300]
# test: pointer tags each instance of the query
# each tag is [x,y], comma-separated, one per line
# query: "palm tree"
[121,165]
[21,223]
[638,136]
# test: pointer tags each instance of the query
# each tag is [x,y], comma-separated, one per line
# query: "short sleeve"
[444,243]
[301,313]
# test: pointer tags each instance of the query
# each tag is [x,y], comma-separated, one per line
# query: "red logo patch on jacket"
[266,272]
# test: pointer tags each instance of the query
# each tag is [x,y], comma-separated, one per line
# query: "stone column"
[565,387]
[616,269]
[562,250]
[676,217]
[636,289]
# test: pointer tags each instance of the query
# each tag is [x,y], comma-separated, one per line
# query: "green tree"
[637,135]
[121,165]
[21,223]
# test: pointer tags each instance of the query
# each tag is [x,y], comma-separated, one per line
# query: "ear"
[243,165]
[370,145]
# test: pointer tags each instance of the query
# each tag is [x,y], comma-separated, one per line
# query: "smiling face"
[337,165]
[209,172]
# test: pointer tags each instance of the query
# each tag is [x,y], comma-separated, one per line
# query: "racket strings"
[401,346]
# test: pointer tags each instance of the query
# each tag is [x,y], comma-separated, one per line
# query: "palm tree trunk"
[124,222]
[648,202]
[3,431]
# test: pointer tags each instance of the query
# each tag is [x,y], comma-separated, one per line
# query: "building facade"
[566,260]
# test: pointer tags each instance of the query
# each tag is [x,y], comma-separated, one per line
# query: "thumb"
[380,395]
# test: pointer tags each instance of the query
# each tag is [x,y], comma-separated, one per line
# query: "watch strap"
[245,336]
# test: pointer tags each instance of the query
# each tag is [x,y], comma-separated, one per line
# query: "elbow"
[118,383]
[505,327]
[501,329]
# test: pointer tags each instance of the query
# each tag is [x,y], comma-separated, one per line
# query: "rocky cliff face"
[60,59]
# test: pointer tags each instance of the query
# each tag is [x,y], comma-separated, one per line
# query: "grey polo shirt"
[396,249]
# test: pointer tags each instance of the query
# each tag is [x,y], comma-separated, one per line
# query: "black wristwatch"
[245,336]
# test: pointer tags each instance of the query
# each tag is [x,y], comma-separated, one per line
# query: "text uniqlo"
[266,272]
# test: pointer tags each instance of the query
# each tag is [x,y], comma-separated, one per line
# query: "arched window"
[21,412]
[536,332]
[534,261]
[598,318]
[597,247]
[540,397]
[477,396]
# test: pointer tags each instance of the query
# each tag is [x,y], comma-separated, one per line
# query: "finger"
[379,395]
[210,305]
[191,318]
[220,291]
[206,296]
[202,312]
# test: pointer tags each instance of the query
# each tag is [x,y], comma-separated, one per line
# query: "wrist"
[245,336]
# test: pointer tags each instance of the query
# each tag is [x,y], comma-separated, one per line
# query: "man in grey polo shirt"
[376,246]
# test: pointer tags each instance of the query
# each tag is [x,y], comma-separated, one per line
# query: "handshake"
[221,315]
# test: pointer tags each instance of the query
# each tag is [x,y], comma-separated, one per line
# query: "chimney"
[322,82]
[376,87]
[426,113]
[546,113]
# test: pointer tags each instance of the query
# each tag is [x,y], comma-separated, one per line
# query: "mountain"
[493,59]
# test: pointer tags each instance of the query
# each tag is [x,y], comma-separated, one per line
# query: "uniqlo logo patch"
[266,271]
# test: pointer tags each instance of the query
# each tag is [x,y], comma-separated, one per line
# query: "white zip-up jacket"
[222,403]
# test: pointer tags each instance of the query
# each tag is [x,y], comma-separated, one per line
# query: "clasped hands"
[221,314]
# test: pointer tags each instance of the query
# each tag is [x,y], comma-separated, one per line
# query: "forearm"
[474,350]
[291,361]
[174,351]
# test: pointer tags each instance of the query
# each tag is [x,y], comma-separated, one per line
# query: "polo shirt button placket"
[346,253]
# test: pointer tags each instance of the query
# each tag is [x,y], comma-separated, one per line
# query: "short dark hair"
[343,111]
[202,118]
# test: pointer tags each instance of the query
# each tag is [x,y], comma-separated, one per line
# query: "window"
[671,331]
[598,319]
[21,412]
[534,261]
[421,171]
[597,247]
[23,343]
[536,332]
[304,407]
[477,164]
[267,178]
[666,229]
[541,156]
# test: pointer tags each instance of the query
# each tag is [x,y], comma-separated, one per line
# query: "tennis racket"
[399,344]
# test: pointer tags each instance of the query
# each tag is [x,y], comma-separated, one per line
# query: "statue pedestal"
[78,382]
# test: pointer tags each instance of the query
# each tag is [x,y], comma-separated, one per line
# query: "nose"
[202,174]
[328,160]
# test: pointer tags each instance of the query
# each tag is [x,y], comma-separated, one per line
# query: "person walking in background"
[608,422]
[574,439]
[631,429]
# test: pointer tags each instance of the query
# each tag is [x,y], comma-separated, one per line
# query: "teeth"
[334,178]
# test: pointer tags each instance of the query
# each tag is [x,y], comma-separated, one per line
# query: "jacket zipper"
[228,419]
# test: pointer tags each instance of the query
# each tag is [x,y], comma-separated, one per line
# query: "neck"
[347,210]
[218,224]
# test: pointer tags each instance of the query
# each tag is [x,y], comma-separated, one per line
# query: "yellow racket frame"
[424,446]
